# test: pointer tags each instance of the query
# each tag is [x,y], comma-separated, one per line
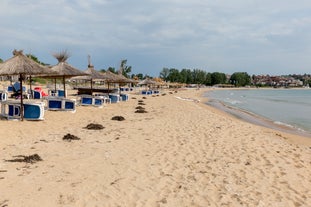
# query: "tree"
[186,76]
[124,69]
[1,61]
[240,79]
[164,74]
[208,79]
[34,58]
[199,76]
[138,76]
[111,69]
[174,75]
[218,78]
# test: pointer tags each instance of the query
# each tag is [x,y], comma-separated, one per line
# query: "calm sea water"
[284,107]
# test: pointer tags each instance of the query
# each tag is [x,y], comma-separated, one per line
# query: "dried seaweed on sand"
[118,118]
[94,126]
[140,107]
[141,111]
[28,159]
[69,137]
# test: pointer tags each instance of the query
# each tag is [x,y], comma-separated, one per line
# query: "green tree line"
[197,76]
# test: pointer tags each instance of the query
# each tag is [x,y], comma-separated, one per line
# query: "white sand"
[180,153]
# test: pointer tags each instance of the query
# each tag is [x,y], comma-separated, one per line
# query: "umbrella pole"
[54,85]
[21,91]
[108,89]
[65,95]
[30,86]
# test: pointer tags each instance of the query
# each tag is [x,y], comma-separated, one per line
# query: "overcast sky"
[254,36]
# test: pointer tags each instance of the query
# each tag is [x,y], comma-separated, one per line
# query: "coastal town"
[282,81]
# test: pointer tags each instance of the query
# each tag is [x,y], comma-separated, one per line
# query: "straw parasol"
[147,81]
[22,65]
[92,74]
[63,69]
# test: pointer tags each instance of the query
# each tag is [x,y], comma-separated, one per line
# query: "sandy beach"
[180,153]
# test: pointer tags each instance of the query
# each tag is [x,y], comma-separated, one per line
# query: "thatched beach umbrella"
[63,69]
[92,74]
[22,65]
[116,78]
[147,81]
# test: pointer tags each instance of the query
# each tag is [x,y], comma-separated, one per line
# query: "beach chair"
[60,93]
[34,111]
[10,89]
[60,104]
[88,100]
[115,98]
[3,96]
[69,105]
[52,92]
[104,97]
[11,110]
[124,97]
[17,87]
[98,101]
[146,92]
[36,94]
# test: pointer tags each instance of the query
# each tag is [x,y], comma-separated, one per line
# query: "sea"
[287,110]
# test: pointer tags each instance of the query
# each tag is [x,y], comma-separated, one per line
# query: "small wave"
[283,124]
[290,126]
[233,102]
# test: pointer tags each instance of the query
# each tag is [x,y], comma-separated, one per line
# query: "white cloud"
[218,34]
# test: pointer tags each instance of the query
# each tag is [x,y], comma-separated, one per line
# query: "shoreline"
[256,119]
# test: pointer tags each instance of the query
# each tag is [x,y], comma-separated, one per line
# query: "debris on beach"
[163,94]
[133,97]
[141,111]
[140,103]
[94,126]
[28,159]
[69,137]
[4,203]
[140,107]
[118,118]
[144,97]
